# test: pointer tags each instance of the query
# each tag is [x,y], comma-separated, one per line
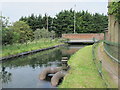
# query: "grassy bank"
[34,45]
[83,72]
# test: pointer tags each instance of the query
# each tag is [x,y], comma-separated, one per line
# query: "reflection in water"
[23,72]
[35,60]
[5,76]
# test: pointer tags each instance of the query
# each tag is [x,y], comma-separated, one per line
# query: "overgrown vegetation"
[34,45]
[20,32]
[43,33]
[114,9]
[83,72]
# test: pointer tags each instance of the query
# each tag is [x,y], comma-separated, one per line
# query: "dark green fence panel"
[112,49]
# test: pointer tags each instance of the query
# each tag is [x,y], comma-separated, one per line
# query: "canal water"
[23,72]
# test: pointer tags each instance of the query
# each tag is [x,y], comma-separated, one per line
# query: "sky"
[14,10]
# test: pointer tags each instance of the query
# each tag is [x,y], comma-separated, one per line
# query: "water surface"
[23,72]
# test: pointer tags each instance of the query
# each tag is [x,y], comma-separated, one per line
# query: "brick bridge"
[84,37]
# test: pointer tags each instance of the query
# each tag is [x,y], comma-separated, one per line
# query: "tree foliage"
[4,21]
[37,26]
[7,35]
[114,9]
[36,22]
[19,32]
[43,33]
[63,22]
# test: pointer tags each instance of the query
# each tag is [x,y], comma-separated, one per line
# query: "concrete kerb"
[29,52]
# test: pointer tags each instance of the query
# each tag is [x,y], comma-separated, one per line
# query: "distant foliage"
[36,22]
[43,33]
[37,26]
[85,22]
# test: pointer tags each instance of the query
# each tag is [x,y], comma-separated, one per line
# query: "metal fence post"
[100,67]
[94,39]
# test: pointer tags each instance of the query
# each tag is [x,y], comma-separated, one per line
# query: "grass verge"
[83,72]
[34,45]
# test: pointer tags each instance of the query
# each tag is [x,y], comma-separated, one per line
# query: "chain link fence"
[98,62]
[112,49]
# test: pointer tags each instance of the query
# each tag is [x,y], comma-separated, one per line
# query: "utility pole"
[74,19]
[47,21]
[0,39]
[1,23]
[52,25]
[1,20]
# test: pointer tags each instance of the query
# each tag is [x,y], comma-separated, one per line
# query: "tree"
[43,33]
[52,34]
[36,22]
[37,34]
[21,32]
[114,9]
[7,35]
[63,22]
[4,21]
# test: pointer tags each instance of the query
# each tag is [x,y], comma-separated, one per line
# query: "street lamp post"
[74,19]
[47,21]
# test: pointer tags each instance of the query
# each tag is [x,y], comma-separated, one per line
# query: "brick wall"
[99,36]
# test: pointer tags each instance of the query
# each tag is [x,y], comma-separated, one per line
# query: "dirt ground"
[108,64]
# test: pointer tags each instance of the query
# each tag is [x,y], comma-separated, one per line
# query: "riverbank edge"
[29,52]
[66,77]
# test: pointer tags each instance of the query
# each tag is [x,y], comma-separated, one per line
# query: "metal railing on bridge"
[83,40]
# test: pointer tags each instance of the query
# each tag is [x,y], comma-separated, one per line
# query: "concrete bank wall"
[113,29]
[28,52]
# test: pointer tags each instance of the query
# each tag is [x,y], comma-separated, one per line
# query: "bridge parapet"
[84,36]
